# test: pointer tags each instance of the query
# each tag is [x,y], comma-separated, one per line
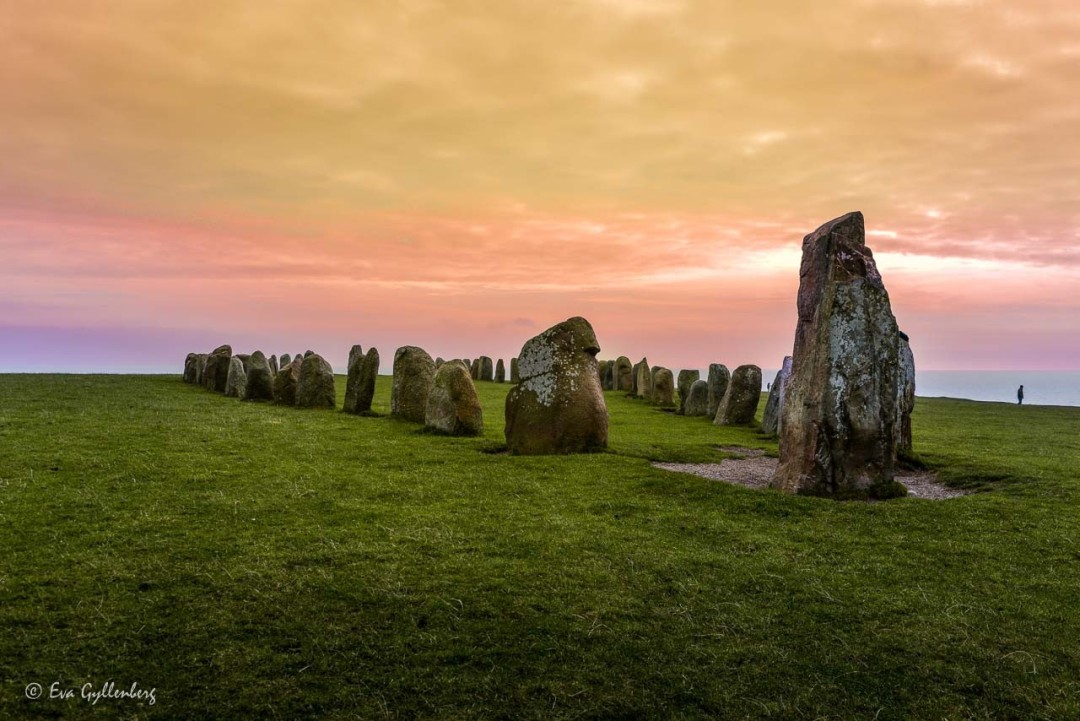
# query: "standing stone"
[838,429]
[217,369]
[286,359]
[686,379]
[719,377]
[191,367]
[438,362]
[200,368]
[245,358]
[905,397]
[369,372]
[453,406]
[286,382]
[601,373]
[272,362]
[352,381]
[259,385]
[741,399]
[236,380]
[414,373]
[697,400]
[316,386]
[515,374]
[500,372]
[558,407]
[309,353]
[624,375]
[609,376]
[474,370]
[487,370]
[770,417]
[355,354]
[663,387]
[642,379]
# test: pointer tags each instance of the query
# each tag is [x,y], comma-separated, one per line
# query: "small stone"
[741,399]
[453,407]
[663,387]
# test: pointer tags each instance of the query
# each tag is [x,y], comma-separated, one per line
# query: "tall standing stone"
[236,380]
[355,354]
[719,377]
[663,387]
[770,417]
[515,374]
[352,380]
[697,400]
[286,359]
[191,368]
[838,429]
[452,405]
[216,375]
[259,383]
[642,379]
[316,386]
[201,360]
[500,371]
[558,407]
[286,382]
[623,379]
[609,376]
[905,397]
[741,399]
[414,374]
[686,379]
[474,370]
[487,369]
[272,362]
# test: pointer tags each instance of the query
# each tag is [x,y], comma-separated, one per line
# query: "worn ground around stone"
[753,469]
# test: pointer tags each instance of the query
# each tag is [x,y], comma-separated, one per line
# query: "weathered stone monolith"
[719,377]
[770,417]
[500,371]
[272,362]
[905,392]
[697,400]
[558,407]
[259,383]
[487,369]
[285,360]
[838,433]
[236,380]
[609,376]
[216,375]
[316,386]
[741,399]
[515,374]
[352,380]
[200,368]
[686,379]
[642,379]
[191,368]
[286,382]
[453,407]
[355,354]
[414,374]
[623,379]
[663,387]
[474,370]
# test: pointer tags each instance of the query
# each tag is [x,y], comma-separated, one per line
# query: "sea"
[1041,388]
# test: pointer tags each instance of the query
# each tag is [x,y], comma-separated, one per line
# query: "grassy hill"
[252,561]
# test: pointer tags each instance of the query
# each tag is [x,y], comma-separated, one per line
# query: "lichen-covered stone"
[686,379]
[697,400]
[663,387]
[201,360]
[623,379]
[360,386]
[905,397]
[770,417]
[414,374]
[191,367]
[741,399]
[245,358]
[838,433]
[316,386]
[500,371]
[642,379]
[216,375]
[259,383]
[355,354]
[515,374]
[719,377]
[453,407]
[286,382]
[236,380]
[558,406]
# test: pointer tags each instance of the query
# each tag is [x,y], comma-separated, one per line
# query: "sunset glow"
[460,176]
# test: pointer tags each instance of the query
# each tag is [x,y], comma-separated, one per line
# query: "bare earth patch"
[755,470]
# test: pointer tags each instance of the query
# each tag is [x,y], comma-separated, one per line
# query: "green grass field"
[252,561]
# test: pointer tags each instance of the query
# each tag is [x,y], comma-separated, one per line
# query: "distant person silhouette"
[1020,396]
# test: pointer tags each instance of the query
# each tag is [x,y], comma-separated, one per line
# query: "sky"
[462,175]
